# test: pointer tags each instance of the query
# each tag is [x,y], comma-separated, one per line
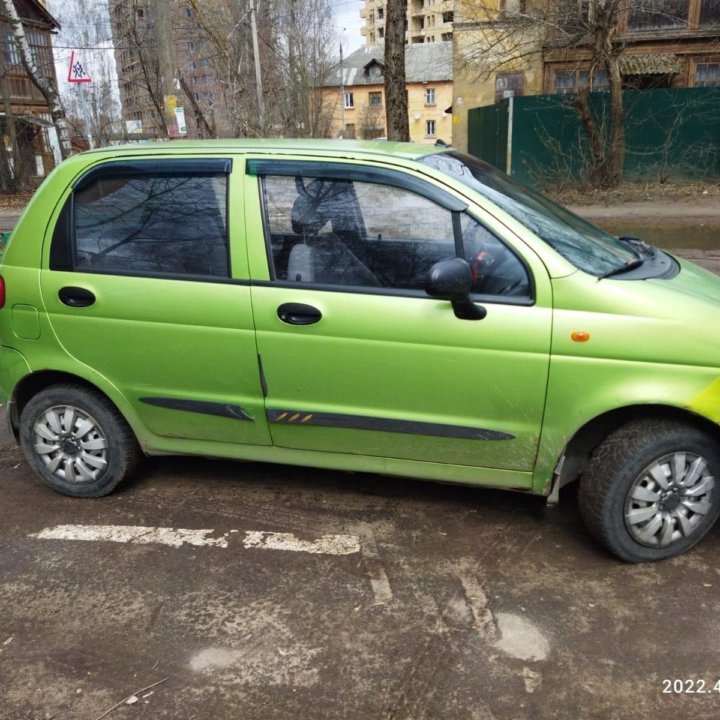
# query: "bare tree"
[587,32]
[46,87]
[295,48]
[303,45]
[225,27]
[396,106]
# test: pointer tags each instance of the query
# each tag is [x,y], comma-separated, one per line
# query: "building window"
[446,37]
[190,47]
[381,14]
[707,75]
[375,99]
[429,96]
[659,15]
[349,100]
[571,81]
[512,7]
[430,128]
[710,12]
[381,33]
[448,16]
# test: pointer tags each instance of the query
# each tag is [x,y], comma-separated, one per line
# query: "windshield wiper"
[627,267]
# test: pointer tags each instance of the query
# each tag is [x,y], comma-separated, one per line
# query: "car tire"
[650,490]
[76,441]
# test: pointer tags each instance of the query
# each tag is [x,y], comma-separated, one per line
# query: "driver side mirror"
[451,280]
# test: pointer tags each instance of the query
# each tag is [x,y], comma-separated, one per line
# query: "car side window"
[327,231]
[341,232]
[156,222]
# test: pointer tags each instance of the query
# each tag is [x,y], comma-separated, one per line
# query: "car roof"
[407,151]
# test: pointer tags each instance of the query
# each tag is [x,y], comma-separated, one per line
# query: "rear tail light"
[2,293]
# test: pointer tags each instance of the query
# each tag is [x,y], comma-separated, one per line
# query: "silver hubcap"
[71,444]
[670,499]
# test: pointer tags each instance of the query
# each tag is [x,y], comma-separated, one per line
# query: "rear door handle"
[76,296]
[298,314]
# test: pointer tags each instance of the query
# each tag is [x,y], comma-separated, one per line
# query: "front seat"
[322,258]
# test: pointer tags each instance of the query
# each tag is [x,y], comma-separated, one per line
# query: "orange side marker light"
[580,336]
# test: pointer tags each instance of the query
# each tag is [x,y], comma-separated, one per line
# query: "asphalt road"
[324,595]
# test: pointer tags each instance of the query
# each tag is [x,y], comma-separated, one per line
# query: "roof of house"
[42,13]
[426,62]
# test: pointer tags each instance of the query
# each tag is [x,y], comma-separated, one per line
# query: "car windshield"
[585,246]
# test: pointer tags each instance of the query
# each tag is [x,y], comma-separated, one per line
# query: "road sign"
[77,72]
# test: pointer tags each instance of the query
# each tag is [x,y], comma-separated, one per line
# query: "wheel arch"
[577,451]
[33,383]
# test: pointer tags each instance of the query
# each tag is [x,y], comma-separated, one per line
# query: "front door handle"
[298,314]
[76,296]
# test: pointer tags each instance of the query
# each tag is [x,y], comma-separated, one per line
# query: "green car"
[380,307]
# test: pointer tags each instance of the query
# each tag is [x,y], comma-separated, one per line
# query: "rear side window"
[159,219]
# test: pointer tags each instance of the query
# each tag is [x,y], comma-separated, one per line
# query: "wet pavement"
[317,594]
[215,590]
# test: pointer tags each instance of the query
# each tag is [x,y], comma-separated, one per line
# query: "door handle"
[76,296]
[298,314]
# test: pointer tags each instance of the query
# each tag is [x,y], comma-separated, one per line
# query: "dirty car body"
[359,306]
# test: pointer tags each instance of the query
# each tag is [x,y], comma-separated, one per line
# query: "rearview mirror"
[451,279]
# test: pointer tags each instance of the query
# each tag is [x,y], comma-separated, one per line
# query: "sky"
[347,16]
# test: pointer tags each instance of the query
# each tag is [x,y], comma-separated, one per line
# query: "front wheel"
[76,441]
[650,491]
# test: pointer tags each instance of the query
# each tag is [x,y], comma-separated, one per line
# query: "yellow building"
[506,48]
[356,93]
[428,21]
[497,54]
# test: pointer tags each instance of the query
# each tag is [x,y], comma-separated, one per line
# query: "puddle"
[670,234]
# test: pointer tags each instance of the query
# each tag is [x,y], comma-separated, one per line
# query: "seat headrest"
[321,201]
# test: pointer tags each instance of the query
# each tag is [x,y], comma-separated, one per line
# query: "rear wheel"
[76,441]
[650,491]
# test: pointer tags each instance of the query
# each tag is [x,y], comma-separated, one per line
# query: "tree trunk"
[595,136]
[48,90]
[396,106]
[616,151]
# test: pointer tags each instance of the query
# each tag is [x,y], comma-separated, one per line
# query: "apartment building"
[136,54]
[428,21]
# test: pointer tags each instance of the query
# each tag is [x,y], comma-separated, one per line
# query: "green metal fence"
[670,134]
[488,133]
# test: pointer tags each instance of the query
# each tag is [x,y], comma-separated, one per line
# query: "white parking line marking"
[176,537]
[326,545]
[133,534]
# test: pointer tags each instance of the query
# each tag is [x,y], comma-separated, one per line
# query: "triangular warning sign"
[77,72]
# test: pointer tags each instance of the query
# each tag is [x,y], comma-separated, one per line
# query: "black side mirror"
[452,280]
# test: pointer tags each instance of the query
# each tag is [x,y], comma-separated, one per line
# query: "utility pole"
[169,80]
[258,74]
[342,94]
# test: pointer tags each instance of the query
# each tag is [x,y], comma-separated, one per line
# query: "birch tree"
[46,87]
